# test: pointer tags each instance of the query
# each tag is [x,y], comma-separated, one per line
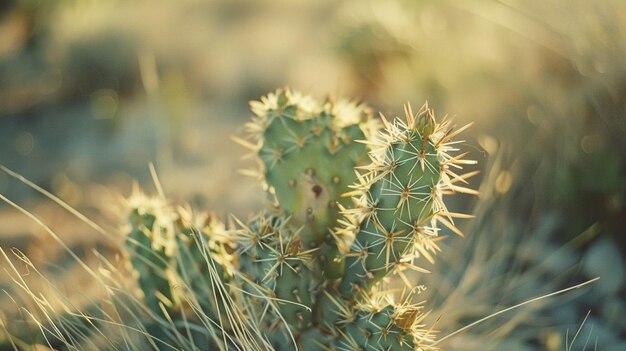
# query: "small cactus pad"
[270,255]
[376,323]
[179,257]
[374,330]
[150,244]
[400,196]
[308,152]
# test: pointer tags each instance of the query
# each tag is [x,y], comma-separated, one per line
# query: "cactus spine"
[353,201]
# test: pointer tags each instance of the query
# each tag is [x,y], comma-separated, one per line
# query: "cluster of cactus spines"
[353,201]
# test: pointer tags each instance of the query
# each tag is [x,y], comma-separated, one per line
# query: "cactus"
[353,201]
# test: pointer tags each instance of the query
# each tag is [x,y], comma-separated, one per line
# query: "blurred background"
[93,91]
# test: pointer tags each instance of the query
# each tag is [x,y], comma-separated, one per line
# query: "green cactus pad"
[375,330]
[270,255]
[401,199]
[308,153]
[149,245]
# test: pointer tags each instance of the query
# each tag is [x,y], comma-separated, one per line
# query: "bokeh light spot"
[534,114]
[503,182]
[590,144]
[51,81]
[104,104]
[489,144]
[24,143]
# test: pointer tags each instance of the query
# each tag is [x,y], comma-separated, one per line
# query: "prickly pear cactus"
[353,201]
